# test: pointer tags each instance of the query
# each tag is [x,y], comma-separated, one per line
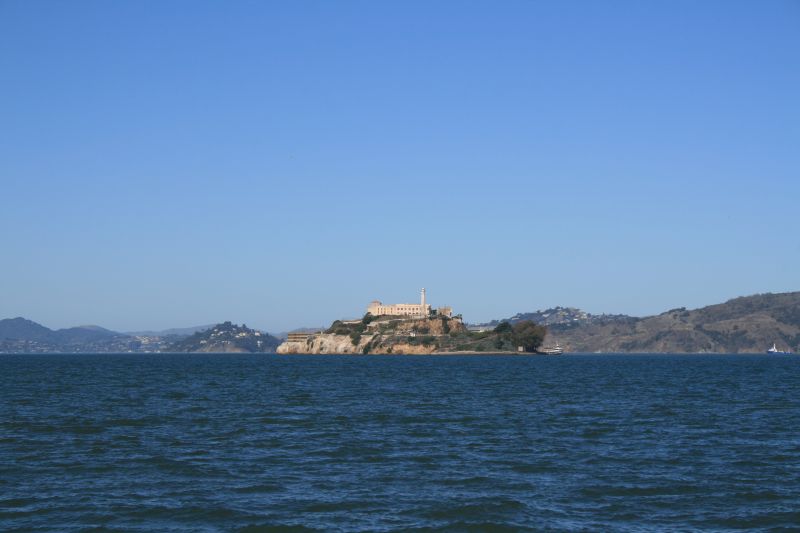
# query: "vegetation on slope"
[438,334]
[503,338]
[227,337]
[746,324]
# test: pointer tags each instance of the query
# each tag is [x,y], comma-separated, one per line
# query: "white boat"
[774,350]
[554,350]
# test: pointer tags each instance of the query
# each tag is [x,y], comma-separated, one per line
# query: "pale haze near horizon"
[283,164]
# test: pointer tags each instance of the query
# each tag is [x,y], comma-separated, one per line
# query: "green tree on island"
[529,335]
[504,327]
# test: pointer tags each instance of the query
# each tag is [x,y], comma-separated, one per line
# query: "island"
[413,329]
[226,338]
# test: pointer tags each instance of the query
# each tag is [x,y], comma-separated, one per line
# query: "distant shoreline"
[432,354]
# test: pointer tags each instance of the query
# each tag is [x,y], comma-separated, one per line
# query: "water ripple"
[267,443]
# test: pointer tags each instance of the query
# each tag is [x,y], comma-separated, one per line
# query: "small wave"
[333,507]
[633,490]
[183,513]
[477,509]
[759,496]
[467,481]
[477,527]
[786,520]
[131,422]
[84,429]
[17,502]
[275,528]
[258,489]
[534,468]
[591,433]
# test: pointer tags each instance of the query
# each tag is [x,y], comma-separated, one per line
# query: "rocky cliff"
[382,335]
[329,343]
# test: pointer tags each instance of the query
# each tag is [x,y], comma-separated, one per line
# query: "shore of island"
[434,334]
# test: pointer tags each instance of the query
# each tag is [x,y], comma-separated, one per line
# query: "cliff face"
[382,336]
[325,343]
[328,343]
[743,325]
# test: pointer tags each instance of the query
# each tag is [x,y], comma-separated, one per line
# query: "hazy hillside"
[172,332]
[19,335]
[23,329]
[27,330]
[84,334]
[557,315]
[746,324]
[226,337]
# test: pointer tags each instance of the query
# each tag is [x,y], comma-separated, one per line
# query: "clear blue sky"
[281,164]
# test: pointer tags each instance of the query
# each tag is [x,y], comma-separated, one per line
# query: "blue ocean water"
[499,443]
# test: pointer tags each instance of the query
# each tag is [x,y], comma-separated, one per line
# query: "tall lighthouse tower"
[422,309]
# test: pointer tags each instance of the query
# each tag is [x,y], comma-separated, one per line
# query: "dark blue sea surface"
[270,443]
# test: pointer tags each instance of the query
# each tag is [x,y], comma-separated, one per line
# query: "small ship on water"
[775,351]
[554,350]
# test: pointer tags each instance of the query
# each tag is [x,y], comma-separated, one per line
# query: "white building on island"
[422,309]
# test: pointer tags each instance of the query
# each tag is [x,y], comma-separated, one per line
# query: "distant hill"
[747,324]
[227,337]
[84,334]
[19,335]
[172,332]
[557,315]
[27,330]
[23,329]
